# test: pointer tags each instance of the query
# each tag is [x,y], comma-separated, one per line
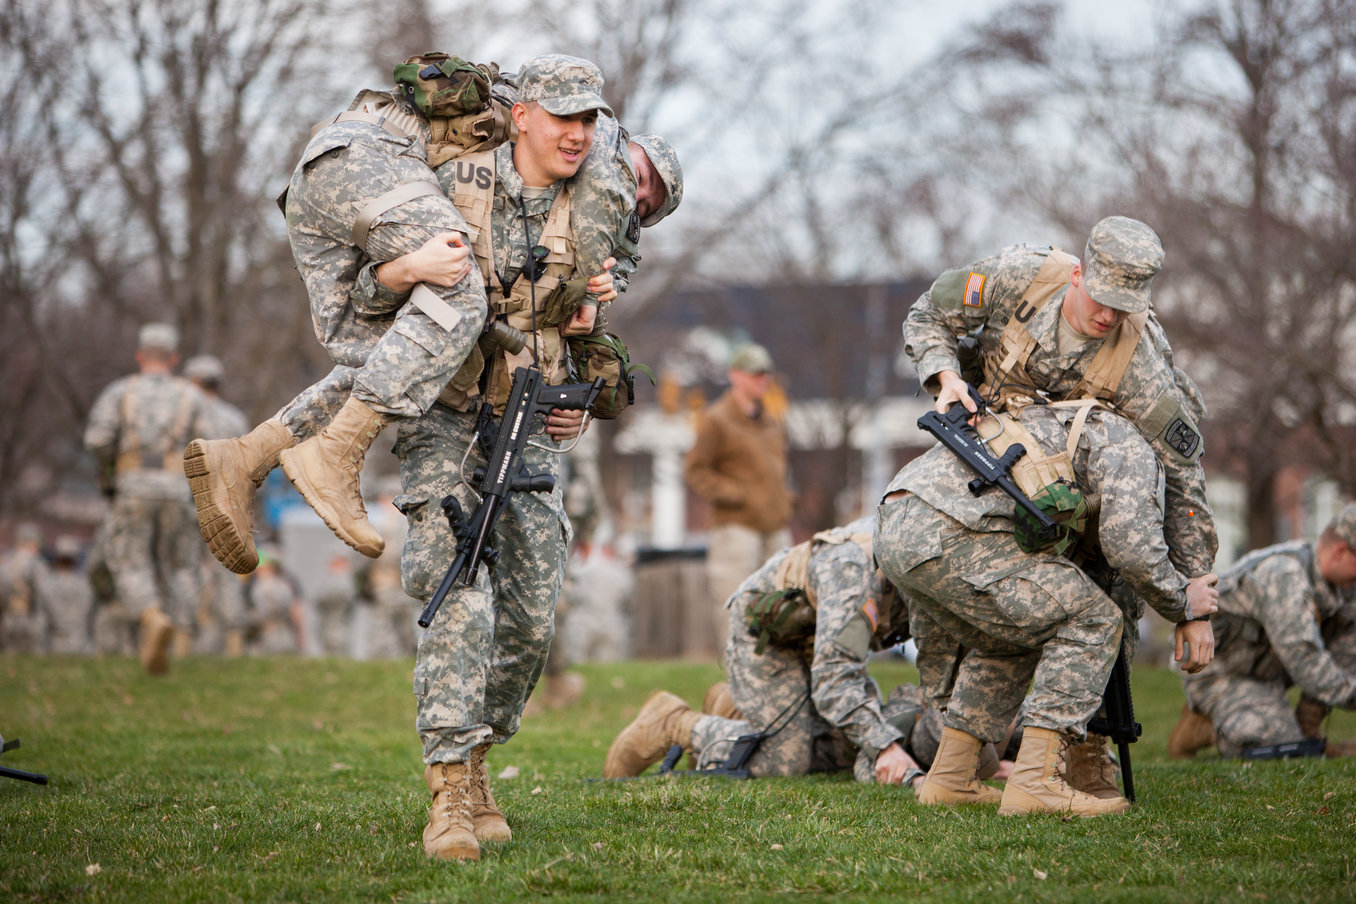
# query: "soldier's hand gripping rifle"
[955,432]
[529,401]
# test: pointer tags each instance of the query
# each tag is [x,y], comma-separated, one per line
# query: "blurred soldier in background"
[738,465]
[336,604]
[1287,618]
[137,428]
[20,627]
[274,618]
[220,612]
[65,599]
[390,614]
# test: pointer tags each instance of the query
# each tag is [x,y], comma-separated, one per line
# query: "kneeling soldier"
[802,628]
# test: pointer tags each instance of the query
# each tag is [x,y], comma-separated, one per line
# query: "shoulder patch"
[974,290]
[871,612]
[1181,435]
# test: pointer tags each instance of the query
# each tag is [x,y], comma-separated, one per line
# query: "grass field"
[300,780]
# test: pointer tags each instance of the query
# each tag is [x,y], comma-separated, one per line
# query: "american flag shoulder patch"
[974,290]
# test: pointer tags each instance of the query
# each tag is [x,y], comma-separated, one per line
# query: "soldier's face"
[1083,314]
[550,147]
[1340,569]
[650,189]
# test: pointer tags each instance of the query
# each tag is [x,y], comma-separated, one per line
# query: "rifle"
[1117,721]
[1307,747]
[954,431]
[529,401]
[6,772]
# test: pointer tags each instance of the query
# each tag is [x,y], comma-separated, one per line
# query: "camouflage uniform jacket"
[1112,463]
[857,612]
[1277,617]
[1151,393]
[140,425]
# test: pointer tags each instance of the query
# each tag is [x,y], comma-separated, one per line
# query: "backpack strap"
[401,194]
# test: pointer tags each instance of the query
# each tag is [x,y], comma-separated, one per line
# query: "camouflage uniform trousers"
[479,660]
[153,550]
[1028,621]
[221,607]
[401,356]
[771,689]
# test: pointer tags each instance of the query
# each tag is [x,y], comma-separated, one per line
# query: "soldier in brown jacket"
[738,465]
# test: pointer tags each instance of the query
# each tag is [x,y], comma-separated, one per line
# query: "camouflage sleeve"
[701,470]
[842,691]
[962,300]
[370,297]
[1288,616]
[101,433]
[1130,528]
[602,201]
[1161,401]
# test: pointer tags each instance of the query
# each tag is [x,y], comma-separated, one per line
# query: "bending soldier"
[1048,326]
[1027,615]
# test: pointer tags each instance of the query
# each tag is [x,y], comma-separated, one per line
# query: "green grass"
[297,780]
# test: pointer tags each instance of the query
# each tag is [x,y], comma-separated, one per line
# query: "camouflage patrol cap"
[1121,258]
[158,335]
[204,369]
[664,159]
[1344,525]
[563,85]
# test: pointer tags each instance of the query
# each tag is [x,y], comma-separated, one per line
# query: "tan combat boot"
[663,721]
[157,631]
[1037,785]
[954,776]
[223,474]
[1090,769]
[450,834]
[326,468]
[1192,732]
[488,824]
[718,701]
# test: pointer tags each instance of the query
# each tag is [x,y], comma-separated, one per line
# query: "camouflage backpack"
[457,98]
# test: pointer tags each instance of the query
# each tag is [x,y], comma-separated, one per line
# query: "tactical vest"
[1005,371]
[474,198]
[1235,626]
[166,455]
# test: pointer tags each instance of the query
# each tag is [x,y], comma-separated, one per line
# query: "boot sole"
[321,508]
[217,529]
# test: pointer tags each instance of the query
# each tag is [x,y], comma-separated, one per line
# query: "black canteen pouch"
[603,354]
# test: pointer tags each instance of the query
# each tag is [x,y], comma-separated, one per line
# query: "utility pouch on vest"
[1064,503]
[605,355]
[560,305]
[783,618]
